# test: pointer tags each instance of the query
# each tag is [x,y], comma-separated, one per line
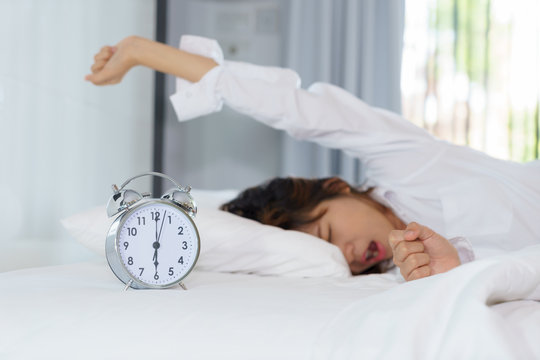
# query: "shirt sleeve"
[389,146]
[464,249]
[192,100]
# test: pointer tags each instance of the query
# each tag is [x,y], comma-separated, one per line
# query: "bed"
[287,304]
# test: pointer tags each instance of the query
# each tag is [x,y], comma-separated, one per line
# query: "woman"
[361,227]
[412,177]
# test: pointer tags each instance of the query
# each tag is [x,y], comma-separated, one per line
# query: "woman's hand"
[111,63]
[420,252]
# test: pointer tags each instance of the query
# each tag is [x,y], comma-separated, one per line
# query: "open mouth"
[375,252]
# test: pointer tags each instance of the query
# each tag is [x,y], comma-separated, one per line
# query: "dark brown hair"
[288,202]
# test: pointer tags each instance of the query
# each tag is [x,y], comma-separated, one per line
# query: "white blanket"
[79,311]
[448,316]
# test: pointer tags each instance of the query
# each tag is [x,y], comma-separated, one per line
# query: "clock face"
[158,244]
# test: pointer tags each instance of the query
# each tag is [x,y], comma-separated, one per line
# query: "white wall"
[64,141]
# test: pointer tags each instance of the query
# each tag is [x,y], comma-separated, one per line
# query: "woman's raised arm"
[111,63]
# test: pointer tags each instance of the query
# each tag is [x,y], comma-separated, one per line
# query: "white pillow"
[230,243]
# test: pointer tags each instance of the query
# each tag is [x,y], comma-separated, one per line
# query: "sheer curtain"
[355,45]
[64,141]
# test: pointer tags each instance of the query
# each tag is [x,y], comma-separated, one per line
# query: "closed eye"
[330,234]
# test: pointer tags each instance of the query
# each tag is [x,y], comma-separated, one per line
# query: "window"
[471,73]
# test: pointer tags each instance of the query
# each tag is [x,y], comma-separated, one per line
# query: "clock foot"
[128,285]
[182,286]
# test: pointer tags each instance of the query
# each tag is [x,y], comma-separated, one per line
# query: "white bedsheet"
[80,311]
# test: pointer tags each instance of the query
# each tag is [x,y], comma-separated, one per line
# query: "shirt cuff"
[244,87]
[192,100]
[464,249]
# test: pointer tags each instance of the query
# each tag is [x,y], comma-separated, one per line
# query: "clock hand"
[156,263]
[157,219]
[156,244]
[162,222]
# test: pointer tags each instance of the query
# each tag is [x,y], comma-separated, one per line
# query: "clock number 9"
[126,245]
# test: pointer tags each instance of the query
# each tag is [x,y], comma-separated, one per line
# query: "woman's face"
[357,228]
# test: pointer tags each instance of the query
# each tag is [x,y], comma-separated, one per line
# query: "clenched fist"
[420,252]
[111,63]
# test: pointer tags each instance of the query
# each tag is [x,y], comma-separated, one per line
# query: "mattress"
[487,309]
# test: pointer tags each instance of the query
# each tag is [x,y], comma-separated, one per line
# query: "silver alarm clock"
[154,242]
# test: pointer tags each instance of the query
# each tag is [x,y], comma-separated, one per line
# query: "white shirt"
[455,190]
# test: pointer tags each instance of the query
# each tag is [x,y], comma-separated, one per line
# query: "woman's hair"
[289,202]
[285,202]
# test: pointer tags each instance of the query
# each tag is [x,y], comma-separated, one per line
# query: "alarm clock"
[153,243]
